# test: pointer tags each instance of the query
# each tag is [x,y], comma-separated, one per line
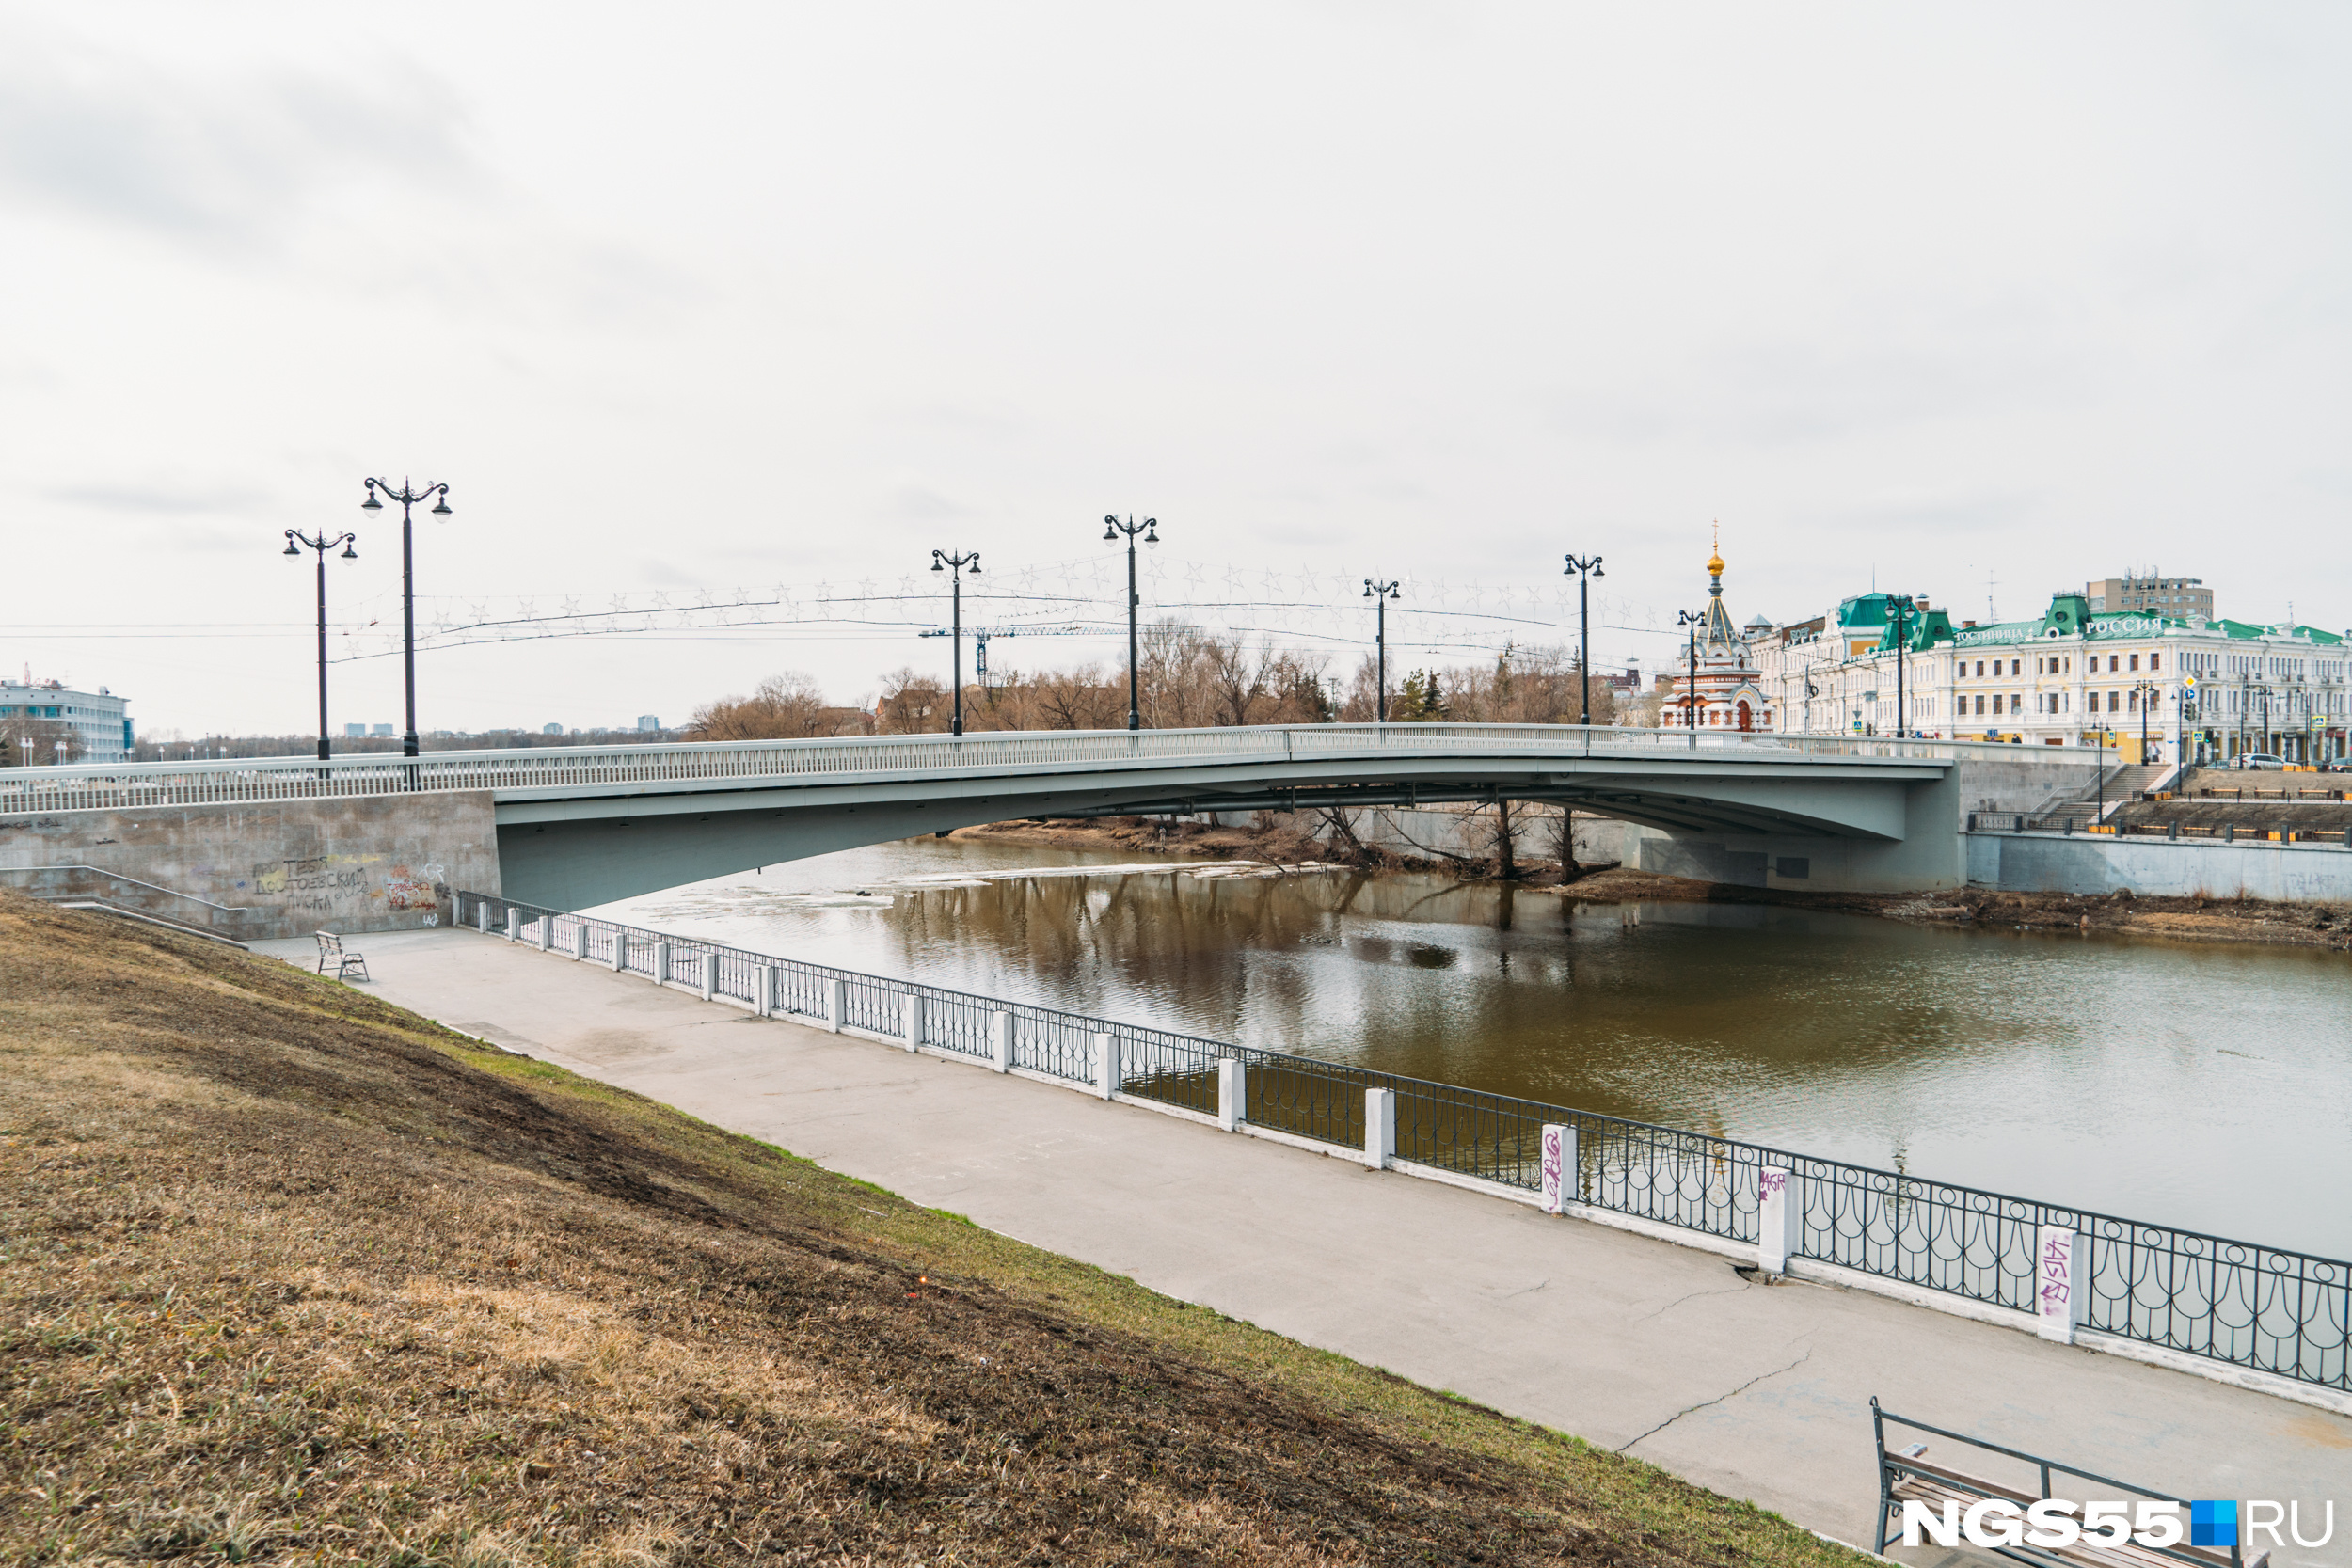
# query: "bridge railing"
[2269,1309]
[123,786]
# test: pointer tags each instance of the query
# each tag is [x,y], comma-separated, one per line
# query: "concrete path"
[1756,1391]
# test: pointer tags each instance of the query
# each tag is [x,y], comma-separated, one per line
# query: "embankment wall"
[2083,863]
[2036,779]
[367,863]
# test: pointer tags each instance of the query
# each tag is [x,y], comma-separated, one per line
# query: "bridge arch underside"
[1826,825]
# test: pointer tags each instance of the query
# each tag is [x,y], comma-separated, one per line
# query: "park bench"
[1908,1475]
[331,952]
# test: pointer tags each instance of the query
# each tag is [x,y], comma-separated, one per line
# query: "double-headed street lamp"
[2147,695]
[1693,619]
[1380,593]
[1584,571]
[1112,528]
[1901,610]
[407,499]
[952,566]
[296,542]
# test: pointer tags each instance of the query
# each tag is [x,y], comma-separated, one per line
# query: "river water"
[2204,1087]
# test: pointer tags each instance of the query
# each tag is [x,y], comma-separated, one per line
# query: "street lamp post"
[1112,528]
[1380,593]
[407,499]
[952,566]
[1584,571]
[1693,619]
[1901,610]
[296,542]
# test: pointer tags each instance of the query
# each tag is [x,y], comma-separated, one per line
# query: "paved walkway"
[1754,1390]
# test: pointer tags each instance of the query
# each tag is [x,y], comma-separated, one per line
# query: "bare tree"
[784,707]
[911,703]
[1081,699]
[1236,679]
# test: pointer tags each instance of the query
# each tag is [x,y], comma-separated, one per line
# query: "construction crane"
[980,635]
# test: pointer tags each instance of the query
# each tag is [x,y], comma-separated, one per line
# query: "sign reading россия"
[2053,1524]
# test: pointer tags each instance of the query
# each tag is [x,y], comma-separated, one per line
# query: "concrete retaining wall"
[2077,862]
[370,864]
[2038,777]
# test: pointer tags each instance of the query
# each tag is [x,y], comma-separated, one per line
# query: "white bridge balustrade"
[117,785]
[2262,1316]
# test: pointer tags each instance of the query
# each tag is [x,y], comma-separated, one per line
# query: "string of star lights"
[1302,610]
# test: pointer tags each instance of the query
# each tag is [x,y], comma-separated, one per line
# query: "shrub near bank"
[292,1276]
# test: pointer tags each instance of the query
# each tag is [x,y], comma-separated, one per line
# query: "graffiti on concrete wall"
[346,887]
[418,887]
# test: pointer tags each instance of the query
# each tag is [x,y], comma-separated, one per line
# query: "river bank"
[2236,921]
[292,1273]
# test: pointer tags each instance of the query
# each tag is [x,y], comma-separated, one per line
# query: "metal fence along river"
[2263,1309]
[122,785]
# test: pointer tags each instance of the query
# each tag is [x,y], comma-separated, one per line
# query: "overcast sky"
[1976,300]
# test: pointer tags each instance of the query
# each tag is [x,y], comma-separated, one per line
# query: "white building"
[99,718]
[2073,677]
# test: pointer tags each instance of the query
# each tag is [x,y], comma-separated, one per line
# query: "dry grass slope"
[289,1275]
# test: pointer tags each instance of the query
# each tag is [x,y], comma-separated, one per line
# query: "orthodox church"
[1723,687]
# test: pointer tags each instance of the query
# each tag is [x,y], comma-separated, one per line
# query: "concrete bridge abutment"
[373,863]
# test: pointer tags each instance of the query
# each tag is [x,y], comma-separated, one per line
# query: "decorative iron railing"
[555,769]
[2265,1309]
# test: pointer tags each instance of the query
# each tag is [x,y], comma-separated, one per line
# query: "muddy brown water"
[2205,1086]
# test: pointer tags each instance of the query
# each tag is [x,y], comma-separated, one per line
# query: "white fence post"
[660,963]
[514,923]
[1562,1183]
[1779,1219]
[836,1002]
[620,949]
[1379,1129]
[579,939]
[1232,1093]
[2061,1282]
[482,915]
[1106,1066]
[710,975]
[1000,1041]
[547,933]
[764,991]
[913,1020]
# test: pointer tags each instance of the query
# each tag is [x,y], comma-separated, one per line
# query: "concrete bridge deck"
[573,827]
[1758,1391]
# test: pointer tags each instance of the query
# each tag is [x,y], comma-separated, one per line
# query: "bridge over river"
[572,827]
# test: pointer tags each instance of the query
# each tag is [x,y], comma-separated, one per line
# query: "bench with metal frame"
[331,952]
[1907,1475]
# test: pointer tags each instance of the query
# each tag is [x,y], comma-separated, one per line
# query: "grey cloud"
[1802,390]
[223,161]
[912,503]
[964,419]
[153,498]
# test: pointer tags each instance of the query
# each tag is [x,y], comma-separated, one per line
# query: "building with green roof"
[2160,686]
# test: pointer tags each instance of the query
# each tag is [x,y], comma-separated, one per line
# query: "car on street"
[2261,759]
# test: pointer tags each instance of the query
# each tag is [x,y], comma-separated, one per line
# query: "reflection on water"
[2204,1087]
